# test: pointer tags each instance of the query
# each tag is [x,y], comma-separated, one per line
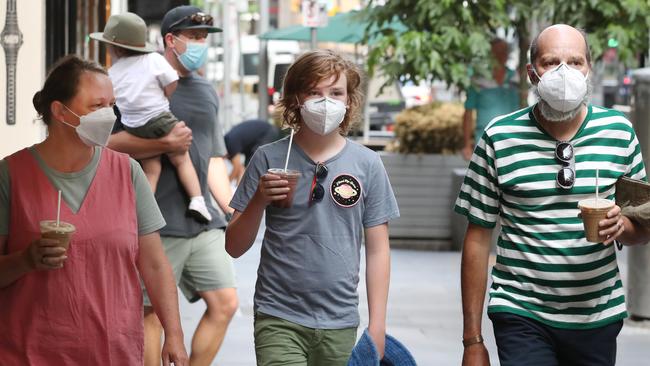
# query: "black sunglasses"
[196,19]
[317,189]
[566,176]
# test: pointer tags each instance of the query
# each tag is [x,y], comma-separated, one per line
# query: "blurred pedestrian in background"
[244,139]
[489,97]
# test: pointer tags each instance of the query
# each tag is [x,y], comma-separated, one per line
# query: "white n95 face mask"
[94,128]
[323,115]
[563,88]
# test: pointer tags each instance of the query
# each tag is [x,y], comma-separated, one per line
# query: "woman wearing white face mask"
[309,269]
[81,304]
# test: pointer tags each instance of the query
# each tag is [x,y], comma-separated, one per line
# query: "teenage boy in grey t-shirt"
[306,294]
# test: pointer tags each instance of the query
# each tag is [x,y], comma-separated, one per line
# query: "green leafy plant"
[443,39]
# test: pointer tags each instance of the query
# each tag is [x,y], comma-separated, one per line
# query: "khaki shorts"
[200,263]
[156,127]
[279,342]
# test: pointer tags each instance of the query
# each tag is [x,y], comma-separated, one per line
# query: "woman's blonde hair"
[310,69]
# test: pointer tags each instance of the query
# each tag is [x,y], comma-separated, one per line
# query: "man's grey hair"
[534,47]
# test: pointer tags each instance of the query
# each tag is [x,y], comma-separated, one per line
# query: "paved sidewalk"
[424,313]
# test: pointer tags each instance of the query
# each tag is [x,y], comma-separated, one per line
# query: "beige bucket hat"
[126,30]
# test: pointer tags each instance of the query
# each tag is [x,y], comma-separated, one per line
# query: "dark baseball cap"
[187,17]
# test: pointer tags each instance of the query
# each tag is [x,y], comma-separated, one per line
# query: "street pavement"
[424,312]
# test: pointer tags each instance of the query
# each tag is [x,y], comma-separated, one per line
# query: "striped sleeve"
[636,168]
[479,195]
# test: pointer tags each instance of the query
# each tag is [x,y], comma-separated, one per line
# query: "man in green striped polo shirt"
[555,298]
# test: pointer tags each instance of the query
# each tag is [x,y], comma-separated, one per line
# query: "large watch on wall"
[11,39]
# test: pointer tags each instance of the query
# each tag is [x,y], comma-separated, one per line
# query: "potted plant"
[420,164]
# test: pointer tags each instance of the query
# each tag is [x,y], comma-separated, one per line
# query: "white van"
[280,55]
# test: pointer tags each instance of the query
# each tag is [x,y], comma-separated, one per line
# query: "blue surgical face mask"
[194,56]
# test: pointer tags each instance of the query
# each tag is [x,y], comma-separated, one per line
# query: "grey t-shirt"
[309,268]
[74,187]
[194,102]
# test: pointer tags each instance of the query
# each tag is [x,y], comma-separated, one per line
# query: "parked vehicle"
[280,55]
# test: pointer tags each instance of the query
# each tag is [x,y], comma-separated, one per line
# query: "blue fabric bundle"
[365,353]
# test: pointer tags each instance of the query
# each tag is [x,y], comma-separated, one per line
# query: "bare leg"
[208,337]
[186,173]
[152,338]
[152,167]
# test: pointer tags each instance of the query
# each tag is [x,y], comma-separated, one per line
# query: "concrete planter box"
[425,192]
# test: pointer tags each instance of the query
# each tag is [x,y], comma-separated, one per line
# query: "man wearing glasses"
[196,250]
[555,298]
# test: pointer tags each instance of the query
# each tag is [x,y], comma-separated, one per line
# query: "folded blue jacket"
[365,353]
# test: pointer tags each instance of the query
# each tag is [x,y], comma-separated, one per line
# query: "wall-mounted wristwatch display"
[11,39]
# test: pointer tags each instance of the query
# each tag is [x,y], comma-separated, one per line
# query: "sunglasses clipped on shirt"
[566,176]
[196,19]
[317,189]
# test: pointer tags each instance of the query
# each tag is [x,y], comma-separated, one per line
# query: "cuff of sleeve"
[238,206]
[473,219]
[381,220]
[151,228]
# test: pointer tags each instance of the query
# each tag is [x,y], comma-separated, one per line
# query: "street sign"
[314,13]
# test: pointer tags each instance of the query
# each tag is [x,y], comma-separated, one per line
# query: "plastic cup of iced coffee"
[61,232]
[593,211]
[292,177]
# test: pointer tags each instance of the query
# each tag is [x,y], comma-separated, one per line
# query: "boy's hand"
[272,188]
[379,339]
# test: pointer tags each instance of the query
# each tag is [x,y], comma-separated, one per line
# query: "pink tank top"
[90,311]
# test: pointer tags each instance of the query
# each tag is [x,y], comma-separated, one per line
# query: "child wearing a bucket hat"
[143,81]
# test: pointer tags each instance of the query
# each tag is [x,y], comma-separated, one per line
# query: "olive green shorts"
[200,263]
[279,342]
[156,127]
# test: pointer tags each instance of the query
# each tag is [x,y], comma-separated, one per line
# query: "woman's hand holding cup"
[45,254]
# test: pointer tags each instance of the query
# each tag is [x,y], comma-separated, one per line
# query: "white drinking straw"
[286,163]
[58,210]
[596,186]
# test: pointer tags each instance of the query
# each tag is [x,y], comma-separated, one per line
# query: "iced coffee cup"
[292,177]
[593,211]
[61,233]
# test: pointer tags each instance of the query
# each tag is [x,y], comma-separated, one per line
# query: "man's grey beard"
[553,115]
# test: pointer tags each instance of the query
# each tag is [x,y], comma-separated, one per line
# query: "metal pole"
[366,113]
[227,66]
[242,107]
[314,38]
[263,68]
[639,255]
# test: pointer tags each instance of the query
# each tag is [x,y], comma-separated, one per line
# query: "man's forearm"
[474,266]
[136,147]
[220,184]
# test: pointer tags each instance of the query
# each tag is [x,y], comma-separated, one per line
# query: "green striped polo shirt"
[545,268]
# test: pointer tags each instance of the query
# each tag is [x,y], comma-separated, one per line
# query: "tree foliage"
[442,39]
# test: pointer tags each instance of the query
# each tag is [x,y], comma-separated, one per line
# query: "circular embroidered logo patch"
[345,190]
